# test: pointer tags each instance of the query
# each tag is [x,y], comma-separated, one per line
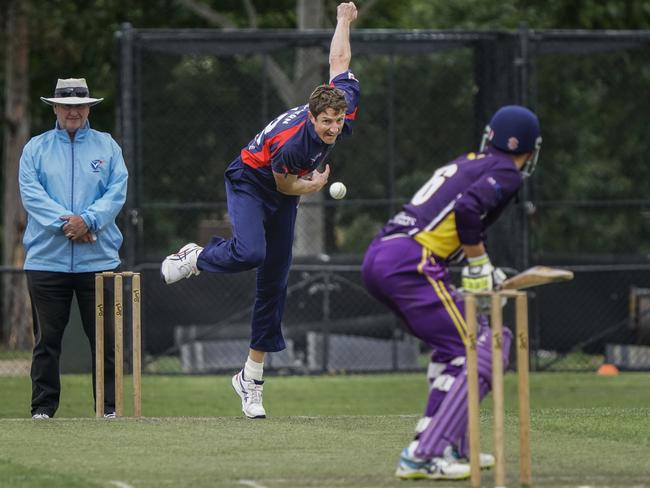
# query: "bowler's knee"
[249,257]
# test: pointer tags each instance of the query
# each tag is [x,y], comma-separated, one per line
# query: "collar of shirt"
[499,153]
[79,135]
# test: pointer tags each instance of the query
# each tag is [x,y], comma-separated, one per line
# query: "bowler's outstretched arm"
[340,51]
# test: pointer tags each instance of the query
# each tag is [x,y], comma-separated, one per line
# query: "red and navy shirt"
[290,145]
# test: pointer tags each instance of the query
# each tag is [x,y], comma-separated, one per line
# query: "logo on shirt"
[96,165]
[496,186]
[313,160]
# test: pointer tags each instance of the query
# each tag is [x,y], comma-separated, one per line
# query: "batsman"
[406,268]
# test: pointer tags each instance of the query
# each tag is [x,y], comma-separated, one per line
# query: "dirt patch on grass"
[15,367]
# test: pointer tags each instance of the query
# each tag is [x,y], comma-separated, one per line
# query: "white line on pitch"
[120,484]
[251,483]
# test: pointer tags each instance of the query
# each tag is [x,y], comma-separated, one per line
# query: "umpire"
[73,184]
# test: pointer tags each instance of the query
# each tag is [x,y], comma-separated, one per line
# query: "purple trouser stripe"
[449,424]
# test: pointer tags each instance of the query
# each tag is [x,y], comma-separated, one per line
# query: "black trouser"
[51,296]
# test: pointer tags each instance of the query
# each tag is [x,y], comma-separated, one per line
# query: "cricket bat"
[535,276]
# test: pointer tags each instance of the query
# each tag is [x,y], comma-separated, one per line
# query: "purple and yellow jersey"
[290,145]
[458,203]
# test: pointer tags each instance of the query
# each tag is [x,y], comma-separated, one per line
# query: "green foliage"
[592,110]
[593,138]
[553,14]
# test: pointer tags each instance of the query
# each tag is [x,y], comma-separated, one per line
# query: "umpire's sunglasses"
[71,92]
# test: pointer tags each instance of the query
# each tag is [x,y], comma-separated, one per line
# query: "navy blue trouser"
[51,296]
[263,222]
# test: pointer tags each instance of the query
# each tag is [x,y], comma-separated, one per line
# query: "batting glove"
[480,275]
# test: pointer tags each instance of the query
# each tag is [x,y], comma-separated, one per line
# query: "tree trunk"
[310,225]
[16,320]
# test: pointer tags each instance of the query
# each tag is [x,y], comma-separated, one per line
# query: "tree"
[16,316]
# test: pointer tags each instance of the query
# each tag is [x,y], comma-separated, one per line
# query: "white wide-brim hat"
[71,91]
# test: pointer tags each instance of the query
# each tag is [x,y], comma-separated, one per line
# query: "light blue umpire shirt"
[85,177]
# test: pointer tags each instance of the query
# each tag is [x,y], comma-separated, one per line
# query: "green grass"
[330,431]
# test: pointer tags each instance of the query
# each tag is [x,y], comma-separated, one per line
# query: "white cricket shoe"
[181,264]
[451,454]
[250,393]
[413,468]
[40,416]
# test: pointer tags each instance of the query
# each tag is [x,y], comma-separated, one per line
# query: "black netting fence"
[332,325]
[191,99]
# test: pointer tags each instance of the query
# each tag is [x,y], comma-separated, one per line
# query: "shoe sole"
[422,476]
[162,275]
[410,476]
[418,475]
[233,382]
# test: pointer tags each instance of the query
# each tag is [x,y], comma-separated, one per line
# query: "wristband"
[479,260]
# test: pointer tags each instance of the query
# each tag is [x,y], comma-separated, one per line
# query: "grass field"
[330,431]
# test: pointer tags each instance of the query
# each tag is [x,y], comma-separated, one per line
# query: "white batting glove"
[480,275]
[477,275]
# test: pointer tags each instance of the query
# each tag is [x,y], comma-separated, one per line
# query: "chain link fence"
[191,99]
[332,325]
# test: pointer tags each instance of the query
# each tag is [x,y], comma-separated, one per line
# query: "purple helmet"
[515,129]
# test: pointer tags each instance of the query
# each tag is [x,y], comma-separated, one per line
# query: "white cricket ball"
[338,190]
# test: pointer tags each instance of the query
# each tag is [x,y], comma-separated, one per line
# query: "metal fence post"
[126,123]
